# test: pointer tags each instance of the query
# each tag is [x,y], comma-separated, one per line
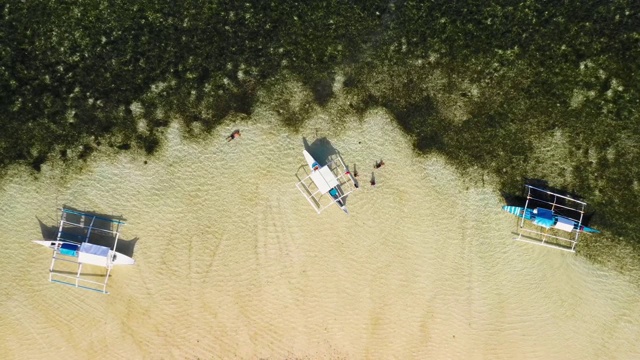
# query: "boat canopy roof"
[93,254]
[324,179]
[552,211]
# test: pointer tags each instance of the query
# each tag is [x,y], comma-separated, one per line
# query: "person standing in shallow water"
[235,134]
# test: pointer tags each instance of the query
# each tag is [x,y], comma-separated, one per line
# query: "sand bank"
[232,262]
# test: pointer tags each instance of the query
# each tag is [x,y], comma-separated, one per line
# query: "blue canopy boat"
[555,219]
[548,219]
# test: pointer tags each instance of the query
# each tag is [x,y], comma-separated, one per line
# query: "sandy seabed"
[232,261]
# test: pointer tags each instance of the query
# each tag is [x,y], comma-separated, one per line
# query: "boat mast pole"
[90,228]
[579,225]
[525,205]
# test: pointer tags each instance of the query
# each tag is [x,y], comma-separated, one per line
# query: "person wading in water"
[235,134]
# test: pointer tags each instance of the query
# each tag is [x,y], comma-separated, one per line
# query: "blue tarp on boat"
[544,217]
[69,249]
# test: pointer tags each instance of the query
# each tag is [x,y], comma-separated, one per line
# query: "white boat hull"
[116,257]
[313,164]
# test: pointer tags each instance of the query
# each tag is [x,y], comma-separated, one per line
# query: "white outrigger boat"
[81,240]
[333,179]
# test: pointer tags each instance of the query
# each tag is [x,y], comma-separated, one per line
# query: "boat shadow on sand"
[321,149]
[124,246]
